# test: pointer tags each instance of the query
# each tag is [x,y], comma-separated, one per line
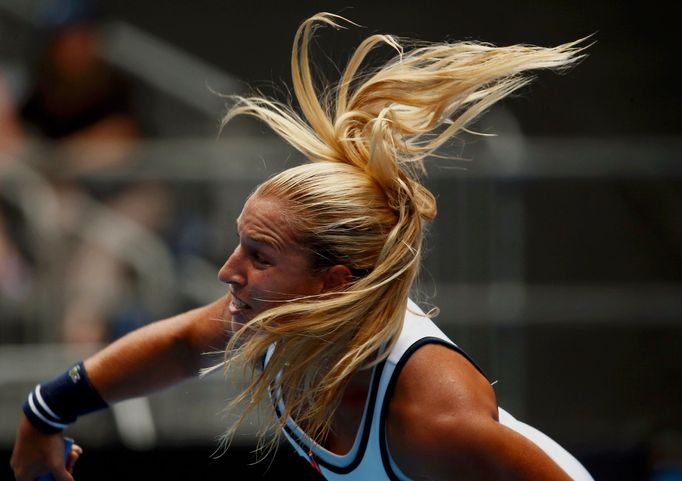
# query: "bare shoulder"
[440,381]
[443,425]
[210,324]
[439,398]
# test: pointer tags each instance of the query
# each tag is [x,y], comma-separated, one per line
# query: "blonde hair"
[359,202]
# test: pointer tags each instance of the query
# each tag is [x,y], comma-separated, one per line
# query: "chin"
[235,324]
[238,321]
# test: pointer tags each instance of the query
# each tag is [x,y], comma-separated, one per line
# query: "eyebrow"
[261,241]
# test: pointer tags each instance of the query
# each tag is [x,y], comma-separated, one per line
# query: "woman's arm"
[443,425]
[160,354]
[153,357]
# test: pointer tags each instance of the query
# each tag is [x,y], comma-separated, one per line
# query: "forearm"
[153,357]
[158,355]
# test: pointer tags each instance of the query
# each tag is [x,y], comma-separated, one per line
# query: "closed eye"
[260,259]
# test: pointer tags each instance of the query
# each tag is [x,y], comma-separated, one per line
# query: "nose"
[232,271]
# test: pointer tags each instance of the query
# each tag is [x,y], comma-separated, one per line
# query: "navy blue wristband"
[53,405]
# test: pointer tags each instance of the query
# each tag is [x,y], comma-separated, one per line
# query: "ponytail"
[359,202]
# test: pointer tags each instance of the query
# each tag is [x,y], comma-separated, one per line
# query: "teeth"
[238,303]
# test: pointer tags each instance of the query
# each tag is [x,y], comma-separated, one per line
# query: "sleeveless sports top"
[369,458]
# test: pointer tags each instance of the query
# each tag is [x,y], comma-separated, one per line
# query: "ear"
[337,277]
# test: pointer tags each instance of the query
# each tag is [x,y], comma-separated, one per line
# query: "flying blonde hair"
[359,202]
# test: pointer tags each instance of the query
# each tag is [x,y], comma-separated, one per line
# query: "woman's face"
[267,266]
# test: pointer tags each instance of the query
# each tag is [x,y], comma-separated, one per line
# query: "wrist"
[55,404]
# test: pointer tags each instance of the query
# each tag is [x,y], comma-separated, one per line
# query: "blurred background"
[556,258]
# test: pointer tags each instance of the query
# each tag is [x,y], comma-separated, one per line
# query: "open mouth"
[237,305]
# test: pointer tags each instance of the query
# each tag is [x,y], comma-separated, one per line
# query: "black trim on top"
[366,428]
[383,444]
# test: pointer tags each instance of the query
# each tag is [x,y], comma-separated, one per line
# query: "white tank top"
[369,458]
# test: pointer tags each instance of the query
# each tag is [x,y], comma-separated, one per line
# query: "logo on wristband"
[74,374]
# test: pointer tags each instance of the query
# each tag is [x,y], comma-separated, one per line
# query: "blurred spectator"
[10,131]
[77,97]
[14,273]
[81,107]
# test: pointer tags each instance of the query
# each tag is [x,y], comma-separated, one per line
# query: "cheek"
[309,286]
[267,289]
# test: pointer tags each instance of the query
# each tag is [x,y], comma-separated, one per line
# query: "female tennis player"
[317,310]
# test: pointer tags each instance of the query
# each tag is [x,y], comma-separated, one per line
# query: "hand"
[36,453]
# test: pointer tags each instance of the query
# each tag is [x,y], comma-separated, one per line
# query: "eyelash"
[259,258]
